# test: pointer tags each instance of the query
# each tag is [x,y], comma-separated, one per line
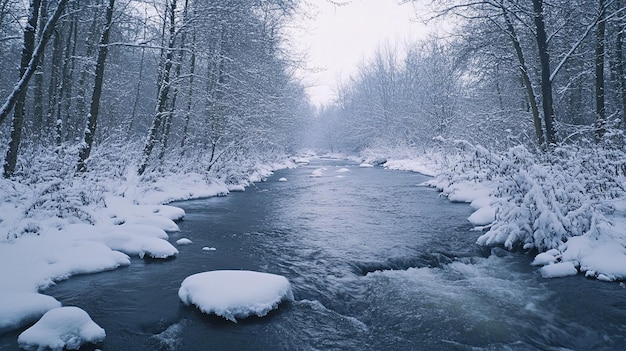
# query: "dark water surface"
[376,263]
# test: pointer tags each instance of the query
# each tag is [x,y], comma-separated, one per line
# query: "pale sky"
[338,38]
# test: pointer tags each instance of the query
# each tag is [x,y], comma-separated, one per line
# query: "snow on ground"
[61,328]
[235,294]
[48,233]
[422,166]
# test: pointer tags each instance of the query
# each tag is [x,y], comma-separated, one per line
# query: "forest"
[93,86]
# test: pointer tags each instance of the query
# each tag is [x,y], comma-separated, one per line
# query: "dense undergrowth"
[543,198]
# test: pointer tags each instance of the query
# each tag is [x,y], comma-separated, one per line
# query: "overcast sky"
[338,38]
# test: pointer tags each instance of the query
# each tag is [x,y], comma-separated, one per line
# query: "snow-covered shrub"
[542,199]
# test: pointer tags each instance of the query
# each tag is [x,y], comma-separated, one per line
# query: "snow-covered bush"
[542,199]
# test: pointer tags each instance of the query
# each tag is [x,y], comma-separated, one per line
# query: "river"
[377,262]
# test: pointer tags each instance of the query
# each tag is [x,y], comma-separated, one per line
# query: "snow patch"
[62,328]
[235,294]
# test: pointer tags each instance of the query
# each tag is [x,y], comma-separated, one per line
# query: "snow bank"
[20,308]
[422,166]
[171,187]
[235,294]
[61,328]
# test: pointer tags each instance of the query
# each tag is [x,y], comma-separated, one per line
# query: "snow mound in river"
[235,294]
[61,328]
[18,308]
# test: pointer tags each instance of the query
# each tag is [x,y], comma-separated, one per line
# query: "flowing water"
[376,261]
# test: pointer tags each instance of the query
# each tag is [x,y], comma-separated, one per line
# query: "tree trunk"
[68,76]
[192,71]
[177,71]
[17,97]
[18,114]
[53,89]
[546,83]
[133,114]
[38,82]
[525,78]
[164,89]
[619,48]
[81,105]
[94,109]
[599,76]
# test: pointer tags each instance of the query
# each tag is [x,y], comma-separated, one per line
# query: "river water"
[376,261]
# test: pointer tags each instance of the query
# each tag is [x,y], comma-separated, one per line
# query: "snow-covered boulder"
[282,179]
[19,308]
[138,243]
[483,216]
[184,241]
[235,294]
[318,172]
[343,170]
[61,328]
[557,270]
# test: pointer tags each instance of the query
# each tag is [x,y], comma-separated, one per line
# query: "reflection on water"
[376,262]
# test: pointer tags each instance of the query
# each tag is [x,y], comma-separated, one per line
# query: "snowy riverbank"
[568,207]
[52,230]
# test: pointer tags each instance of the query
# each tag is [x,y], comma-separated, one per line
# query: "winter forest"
[517,107]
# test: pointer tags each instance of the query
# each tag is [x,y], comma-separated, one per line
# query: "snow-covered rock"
[18,308]
[545,258]
[282,179]
[183,241]
[237,188]
[483,216]
[208,248]
[61,328]
[301,160]
[366,165]
[343,170]
[235,294]
[562,269]
[318,172]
